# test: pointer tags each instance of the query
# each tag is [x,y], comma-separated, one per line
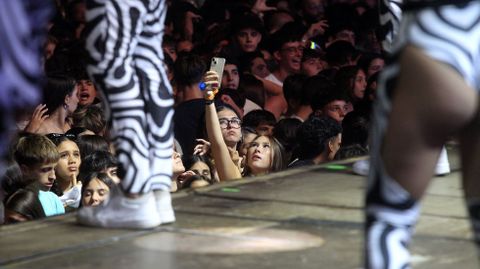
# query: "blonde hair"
[34,149]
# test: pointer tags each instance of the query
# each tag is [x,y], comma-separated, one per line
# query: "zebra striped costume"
[441,29]
[126,62]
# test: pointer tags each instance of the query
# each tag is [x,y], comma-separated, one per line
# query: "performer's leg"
[425,94]
[158,96]
[114,28]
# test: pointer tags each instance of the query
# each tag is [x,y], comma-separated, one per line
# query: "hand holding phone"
[213,78]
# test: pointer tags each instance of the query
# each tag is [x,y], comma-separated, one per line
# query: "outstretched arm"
[226,168]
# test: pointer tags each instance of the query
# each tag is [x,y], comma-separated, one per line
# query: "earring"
[65,105]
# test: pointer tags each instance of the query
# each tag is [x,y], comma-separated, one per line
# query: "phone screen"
[217,65]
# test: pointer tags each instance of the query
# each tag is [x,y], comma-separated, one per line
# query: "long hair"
[277,156]
[55,91]
[26,203]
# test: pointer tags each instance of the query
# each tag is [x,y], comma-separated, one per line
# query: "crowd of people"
[132,110]
[297,88]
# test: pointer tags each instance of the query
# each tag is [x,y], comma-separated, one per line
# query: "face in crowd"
[259,155]
[95,193]
[230,125]
[231,77]
[289,57]
[69,163]
[248,39]
[86,92]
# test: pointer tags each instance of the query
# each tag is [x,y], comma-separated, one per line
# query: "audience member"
[95,189]
[66,185]
[37,157]
[189,69]
[100,161]
[319,139]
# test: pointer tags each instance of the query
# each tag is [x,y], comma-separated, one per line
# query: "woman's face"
[248,39]
[259,155]
[178,166]
[72,100]
[95,193]
[202,169]
[259,67]
[69,163]
[230,125]
[359,85]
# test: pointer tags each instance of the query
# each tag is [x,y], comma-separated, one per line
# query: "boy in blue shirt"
[37,157]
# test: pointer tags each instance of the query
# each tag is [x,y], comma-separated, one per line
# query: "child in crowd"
[100,161]
[37,157]
[66,185]
[96,188]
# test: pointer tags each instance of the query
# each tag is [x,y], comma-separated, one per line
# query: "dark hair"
[26,203]
[88,144]
[245,62]
[256,117]
[190,161]
[340,53]
[253,89]
[292,87]
[55,91]
[313,135]
[90,117]
[12,179]
[321,99]
[271,19]
[290,32]
[345,79]
[286,133]
[101,176]
[97,161]
[355,127]
[76,131]
[309,53]
[245,21]
[316,87]
[189,69]
[222,107]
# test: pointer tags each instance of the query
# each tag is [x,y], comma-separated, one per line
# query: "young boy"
[37,157]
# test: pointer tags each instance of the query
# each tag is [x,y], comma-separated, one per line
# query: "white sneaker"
[443,166]
[164,206]
[361,167]
[120,211]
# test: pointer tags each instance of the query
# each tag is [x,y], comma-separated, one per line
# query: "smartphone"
[217,65]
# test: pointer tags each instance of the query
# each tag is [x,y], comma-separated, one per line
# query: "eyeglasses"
[233,122]
[293,50]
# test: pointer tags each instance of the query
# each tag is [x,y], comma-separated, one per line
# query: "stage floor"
[305,218]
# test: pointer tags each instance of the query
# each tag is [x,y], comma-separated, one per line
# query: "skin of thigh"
[431,101]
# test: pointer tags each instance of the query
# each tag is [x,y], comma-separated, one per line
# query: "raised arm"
[226,168]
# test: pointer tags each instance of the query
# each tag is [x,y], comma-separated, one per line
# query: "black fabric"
[188,124]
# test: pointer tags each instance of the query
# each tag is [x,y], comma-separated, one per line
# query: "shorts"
[449,34]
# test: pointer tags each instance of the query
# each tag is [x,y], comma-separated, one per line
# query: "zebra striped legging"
[126,62]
